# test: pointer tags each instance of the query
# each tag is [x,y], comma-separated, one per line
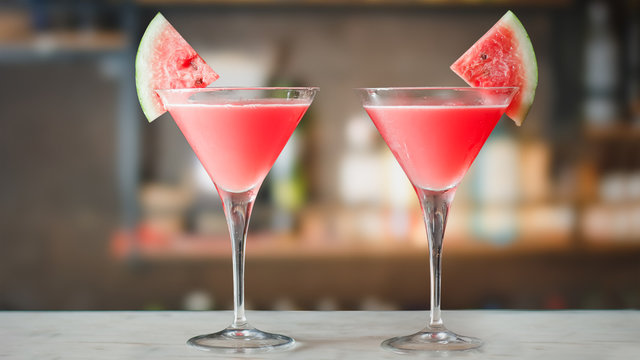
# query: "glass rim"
[228,88]
[456,88]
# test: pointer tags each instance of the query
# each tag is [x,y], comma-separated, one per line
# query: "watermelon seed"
[483,56]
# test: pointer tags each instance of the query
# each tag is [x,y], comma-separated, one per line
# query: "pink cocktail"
[435,134]
[237,133]
[237,143]
[435,145]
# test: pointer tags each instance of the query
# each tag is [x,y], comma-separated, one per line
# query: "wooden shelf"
[281,267]
[367,3]
[38,45]
[613,133]
[270,246]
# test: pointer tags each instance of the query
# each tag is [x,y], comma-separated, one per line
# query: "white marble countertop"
[320,335]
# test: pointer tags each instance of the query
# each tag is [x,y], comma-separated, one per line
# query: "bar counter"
[507,334]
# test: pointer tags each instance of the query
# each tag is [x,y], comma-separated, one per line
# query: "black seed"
[484,56]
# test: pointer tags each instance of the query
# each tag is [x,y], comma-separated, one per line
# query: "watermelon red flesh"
[166,61]
[503,57]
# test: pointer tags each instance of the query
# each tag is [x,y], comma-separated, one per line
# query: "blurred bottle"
[287,183]
[361,164]
[633,62]
[601,59]
[556,301]
[633,192]
[198,300]
[366,184]
[496,187]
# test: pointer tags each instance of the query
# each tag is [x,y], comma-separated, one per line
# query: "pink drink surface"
[435,145]
[237,143]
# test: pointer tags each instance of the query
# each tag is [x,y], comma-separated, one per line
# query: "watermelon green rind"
[512,65]
[166,61]
[149,104]
[527,90]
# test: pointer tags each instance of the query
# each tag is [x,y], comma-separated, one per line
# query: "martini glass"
[237,134]
[435,134]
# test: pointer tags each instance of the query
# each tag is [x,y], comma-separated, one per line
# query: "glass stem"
[435,207]
[237,209]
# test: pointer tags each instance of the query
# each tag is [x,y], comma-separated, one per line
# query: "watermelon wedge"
[503,57]
[166,61]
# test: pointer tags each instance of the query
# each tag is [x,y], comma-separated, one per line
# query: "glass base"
[241,340]
[431,339]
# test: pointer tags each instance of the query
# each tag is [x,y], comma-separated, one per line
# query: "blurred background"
[101,210]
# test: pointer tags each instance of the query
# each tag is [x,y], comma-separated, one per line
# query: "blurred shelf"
[284,269]
[611,246]
[270,246]
[45,45]
[618,132]
[367,3]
